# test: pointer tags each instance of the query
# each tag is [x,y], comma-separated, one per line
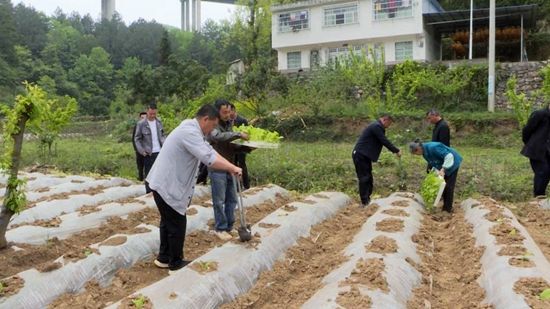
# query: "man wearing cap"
[367,150]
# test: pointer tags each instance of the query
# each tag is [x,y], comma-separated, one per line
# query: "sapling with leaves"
[56,114]
[26,112]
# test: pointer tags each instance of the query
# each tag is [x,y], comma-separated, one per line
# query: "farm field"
[88,242]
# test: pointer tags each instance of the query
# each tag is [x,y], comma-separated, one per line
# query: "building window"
[294,60]
[340,15]
[342,53]
[386,9]
[293,21]
[403,50]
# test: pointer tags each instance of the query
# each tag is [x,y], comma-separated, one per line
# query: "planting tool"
[245,234]
[402,185]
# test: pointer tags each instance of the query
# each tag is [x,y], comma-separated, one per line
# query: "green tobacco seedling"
[525,256]
[86,253]
[513,232]
[499,221]
[544,295]
[205,265]
[139,302]
[1,287]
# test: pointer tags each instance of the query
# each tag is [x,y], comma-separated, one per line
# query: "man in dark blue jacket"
[536,137]
[367,150]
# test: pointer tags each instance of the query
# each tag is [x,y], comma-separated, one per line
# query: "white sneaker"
[160,264]
[223,235]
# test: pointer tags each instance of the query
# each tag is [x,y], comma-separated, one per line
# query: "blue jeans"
[224,198]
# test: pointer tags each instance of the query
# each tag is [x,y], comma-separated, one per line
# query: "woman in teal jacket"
[446,161]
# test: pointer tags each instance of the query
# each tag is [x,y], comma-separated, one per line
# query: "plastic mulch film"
[239,264]
[400,276]
[36,181]
[50,209]
[42,288]
[498,276]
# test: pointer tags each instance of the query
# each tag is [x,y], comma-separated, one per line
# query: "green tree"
[33,27]
[165,48]
[8,39]
[93,74]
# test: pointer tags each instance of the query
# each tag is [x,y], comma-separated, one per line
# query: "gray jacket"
[143,138]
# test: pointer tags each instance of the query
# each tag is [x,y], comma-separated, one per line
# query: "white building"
[309,33]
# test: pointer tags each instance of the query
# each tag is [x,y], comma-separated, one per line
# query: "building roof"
[450,21]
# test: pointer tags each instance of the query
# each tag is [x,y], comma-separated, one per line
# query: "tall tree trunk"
[5,212]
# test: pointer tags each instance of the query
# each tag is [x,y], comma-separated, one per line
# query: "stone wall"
[528,80]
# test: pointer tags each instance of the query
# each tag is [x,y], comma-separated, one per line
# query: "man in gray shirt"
[173,176]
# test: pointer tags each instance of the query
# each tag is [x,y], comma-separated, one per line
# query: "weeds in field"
[140,302]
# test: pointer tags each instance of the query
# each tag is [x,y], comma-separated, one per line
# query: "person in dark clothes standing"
[240,158]
[536,139]
[367,150]
[441,132]
[447,162]
[139,157]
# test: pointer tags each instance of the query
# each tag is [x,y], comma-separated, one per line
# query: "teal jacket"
[435,152]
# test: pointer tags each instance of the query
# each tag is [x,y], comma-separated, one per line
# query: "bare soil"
[353,299]
[383,245]
[294,279]
[368,274]
[450,264]
[390,225]
[396,212]
[531,288]
[537,222]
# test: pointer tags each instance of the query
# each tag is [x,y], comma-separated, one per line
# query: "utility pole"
[492,28]
[471,28]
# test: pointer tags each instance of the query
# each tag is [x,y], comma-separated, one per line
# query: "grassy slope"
[492,164]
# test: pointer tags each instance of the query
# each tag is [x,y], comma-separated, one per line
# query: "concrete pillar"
[187,15]
[194,5]
[199,15]
[183,11]
[107,9]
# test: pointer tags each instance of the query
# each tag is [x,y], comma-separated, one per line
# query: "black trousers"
[541,169]
[363,168]
[148,162]
[172,234]
[140,162]
[203,174]
[449,191]
[240,159]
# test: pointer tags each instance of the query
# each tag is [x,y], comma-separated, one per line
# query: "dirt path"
[293,280]
[450,264]
[144,273]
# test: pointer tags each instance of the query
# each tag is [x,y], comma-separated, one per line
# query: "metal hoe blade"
[402,185]
[245,234]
